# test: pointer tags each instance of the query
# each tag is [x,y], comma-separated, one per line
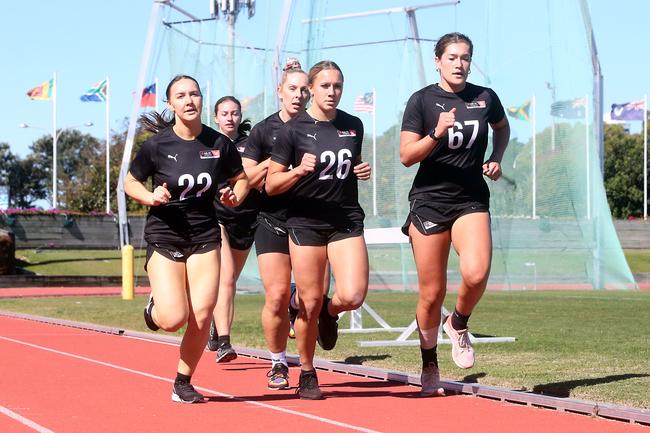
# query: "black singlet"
[193,171]
[328,197]
[453,171]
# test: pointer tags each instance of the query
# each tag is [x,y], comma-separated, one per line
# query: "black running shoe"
[278,377]
[225,353]
[328,327]
[293,312]
[213,339]
[308,388]
[148,319]
[184,392]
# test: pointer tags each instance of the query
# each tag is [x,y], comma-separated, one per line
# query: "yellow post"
[127,272]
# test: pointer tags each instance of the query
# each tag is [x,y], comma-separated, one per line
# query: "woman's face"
[294,93]
[185,100]
[454,65]
[228,117]
[326,89]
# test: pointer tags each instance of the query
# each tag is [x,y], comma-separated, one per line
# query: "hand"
[492,169]
[446,120]
[160,195]
[362,171]
[307,164]
[228,197]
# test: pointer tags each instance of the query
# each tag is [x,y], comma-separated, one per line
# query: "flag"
[628,111]
[97,93]
[364,102]
[42,92]
[571,109]
[148,98]
[520,112]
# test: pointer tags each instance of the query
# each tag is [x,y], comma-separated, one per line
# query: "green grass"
[109,262]
[585,345]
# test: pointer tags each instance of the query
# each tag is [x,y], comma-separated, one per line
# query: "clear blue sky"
[86,40]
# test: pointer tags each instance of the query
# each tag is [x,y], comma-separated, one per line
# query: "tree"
[623,171]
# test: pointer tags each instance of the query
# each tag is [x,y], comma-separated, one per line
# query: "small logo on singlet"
[350,133]
[240,149]
[312,136]
[209,154]
[442,106]
[475,104]
[176,254]
[173,157]
[428,225]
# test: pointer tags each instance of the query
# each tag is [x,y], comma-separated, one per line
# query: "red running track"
[61,379]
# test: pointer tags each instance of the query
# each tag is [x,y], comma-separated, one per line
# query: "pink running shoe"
[430,380]
[462,351]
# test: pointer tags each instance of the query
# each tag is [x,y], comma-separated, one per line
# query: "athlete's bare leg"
[168,287]
[308,268]
[348,259]
[275,270]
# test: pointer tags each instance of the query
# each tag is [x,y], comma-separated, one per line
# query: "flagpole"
[207,103]
[108,148]
[534,151]
[374,152]
[587,152]
[54,139]
[156,98]
[645,157]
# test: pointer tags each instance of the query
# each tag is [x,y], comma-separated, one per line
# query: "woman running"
[237,233]
[445,129]
[187,162]
[324,218]
[271,241]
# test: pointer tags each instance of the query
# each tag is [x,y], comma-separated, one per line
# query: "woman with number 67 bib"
[445,129]
[324,218]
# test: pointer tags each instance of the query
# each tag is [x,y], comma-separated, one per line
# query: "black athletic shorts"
[320,237]
[270,236]
[241,233]
[179,252]
[430,218]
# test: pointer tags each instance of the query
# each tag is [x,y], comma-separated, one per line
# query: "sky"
[85,41]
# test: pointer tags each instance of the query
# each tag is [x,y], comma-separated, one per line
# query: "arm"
[138,192]
[280,179]
[234,195]
[413,147]
[256,172]
[500,139]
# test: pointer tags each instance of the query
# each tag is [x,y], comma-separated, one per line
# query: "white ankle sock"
[278,358]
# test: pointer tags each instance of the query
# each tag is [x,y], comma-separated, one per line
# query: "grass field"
[585,345]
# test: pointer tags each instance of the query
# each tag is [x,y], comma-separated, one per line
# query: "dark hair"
[320,66]
[452,38]
[291,66]
[245,125]
[156,122]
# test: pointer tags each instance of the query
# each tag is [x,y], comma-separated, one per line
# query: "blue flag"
[628,111]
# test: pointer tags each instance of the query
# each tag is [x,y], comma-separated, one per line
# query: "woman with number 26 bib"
[445,129]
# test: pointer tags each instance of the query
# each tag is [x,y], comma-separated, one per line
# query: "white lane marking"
[27,422]
[164,379]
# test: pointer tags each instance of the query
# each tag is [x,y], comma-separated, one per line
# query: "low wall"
[78,232]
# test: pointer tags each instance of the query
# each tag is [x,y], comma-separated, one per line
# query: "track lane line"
[24,421]
[207,390]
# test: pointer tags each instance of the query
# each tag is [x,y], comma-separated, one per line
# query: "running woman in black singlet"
[445,129]
[325,220]
[237,231]
[188,163]
[271,241]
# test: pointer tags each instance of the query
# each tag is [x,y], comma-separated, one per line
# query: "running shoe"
[184,392]
[293,312]
[148,319]
[278,377]
[430,380]
[225,353]
[213,339]
[328,327]
[462,351]
[308,388]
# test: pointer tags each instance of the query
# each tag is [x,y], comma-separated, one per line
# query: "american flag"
[364,103]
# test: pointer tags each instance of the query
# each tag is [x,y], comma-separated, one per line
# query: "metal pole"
[374,152]
[415,35]
[534,152]
[108,148]
[54,140]
[588,155]
[231,51]
[645,157]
